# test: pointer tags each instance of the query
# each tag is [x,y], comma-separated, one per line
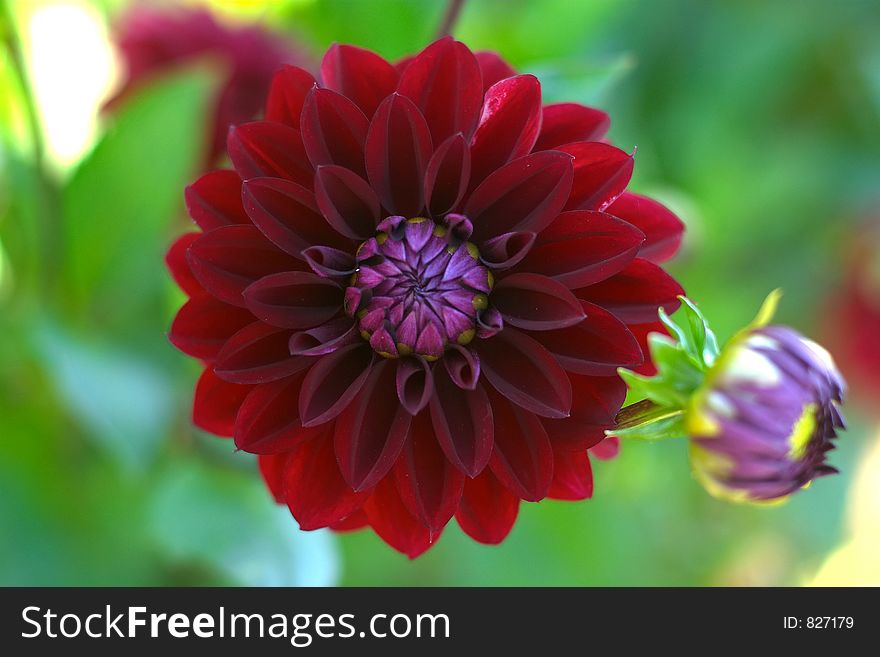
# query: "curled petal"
[462,421]
[663,230]
[447,175]
[297,300]
[258,353]
[333,382]
[393,522]
[324,339]
[581,248]
[347,202]
[642,331]
[216,402]
[524,195]
[287,93]
[487,510]
[371,431]
[635,294]
[536,303]
[415,384]
[507,250]
[522,370]
[463,366]
[509,125]
[214,200]
[397,152]
[601,173]
[359,74]
[203,325]
[565,123]
[596,402]
[572,477]
[314,489]
[264,149]
[489,323]
[493,68]
[175,259]
[334,130]
[329,262]
[444,82]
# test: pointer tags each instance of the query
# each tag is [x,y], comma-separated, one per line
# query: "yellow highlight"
[767,310]
[465,337]
[404,349]
[802,432]
[480,301]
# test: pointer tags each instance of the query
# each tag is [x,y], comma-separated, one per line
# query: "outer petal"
[509,125]
[447,175]
[214,200]
[462,421]
[581,248]
[397,152]
[295,299]
[333,382]
[359,74]
[572,476]
[487,510]
[429,485]
[663,230]
[371,431]
[334,130]
[203,325]
[289,88]
[347,202]
[265,149]
[601,173]
[522,458]
[607,449]
[493,68]
[227,260]
[565,123]
[216,403]
[313,487]
[522,370]
[445,83]
[393,522]
[175,259]
[352,522]
[642,331]
[258,353]
[536,303]
[597,400]
[525,195]
[635,294]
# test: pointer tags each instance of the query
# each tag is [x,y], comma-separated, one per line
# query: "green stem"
[453,9]
[635,414]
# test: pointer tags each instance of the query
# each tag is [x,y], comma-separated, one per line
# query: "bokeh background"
[757,121]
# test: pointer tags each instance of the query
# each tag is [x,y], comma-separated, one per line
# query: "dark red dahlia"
[153,41]
[413,292]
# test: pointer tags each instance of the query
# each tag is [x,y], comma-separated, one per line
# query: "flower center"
[418,287]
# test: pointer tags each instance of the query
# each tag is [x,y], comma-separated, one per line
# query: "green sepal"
[648,421]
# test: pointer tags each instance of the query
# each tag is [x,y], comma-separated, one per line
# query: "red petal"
[333,382]
[447,175]
[596,401]
[371,431]
[272,468]
[258,353]
[565,123]
[175,259]
[582,247]
[487,510]
[314,489]
[415,384]
[509,125]
[334,130]
[268,421]
[522,370]
[607,449]
[204,324]
[287,214]
[572,477]
[429,485]
[351,522]
[289,88]
[397,152]
[525,195]
[601,173]
[445,83]
[663,230]
[216,403]
[493,68]
[214,200]
[522,458]
[642,331]
[361,75]
[295,299]
[462,421]
[536,303]
[393,522]
[596,346]
[347,202]
[228,259]
[264,149]
[635,294]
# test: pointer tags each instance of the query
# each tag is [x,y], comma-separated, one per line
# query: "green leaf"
[674,366]
[652,388]
[647,421]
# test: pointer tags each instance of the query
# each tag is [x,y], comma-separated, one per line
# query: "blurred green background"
[756,121]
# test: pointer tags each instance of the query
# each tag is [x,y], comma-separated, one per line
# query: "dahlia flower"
[154,41]
[413,291]
[761,414]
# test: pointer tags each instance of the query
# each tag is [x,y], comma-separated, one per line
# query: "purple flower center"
[419,286]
